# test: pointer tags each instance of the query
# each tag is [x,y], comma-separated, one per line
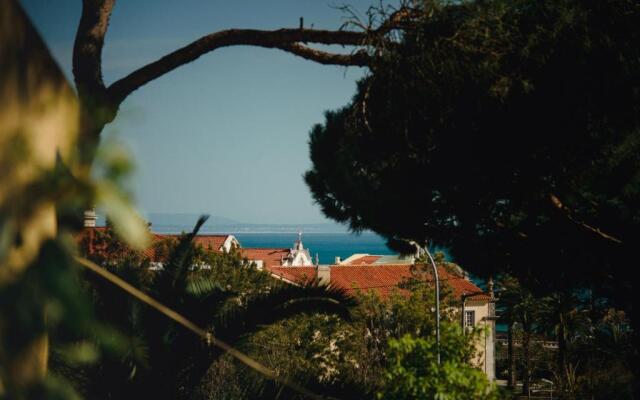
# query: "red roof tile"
[269,257]
[156,238]
[364,260]
[382,278]
[210,242]
[294,274]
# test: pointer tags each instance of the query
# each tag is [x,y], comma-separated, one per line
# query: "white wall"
[485,346]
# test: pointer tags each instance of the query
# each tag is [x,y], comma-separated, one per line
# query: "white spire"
[298,245]
[298,256]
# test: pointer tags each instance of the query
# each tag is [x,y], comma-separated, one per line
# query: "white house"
[297,256]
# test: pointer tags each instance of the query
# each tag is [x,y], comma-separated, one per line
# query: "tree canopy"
[507,131]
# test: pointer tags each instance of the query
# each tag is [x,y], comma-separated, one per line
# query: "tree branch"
[402,19]
[360,58]
[285,39]
[558,204]
[87,50]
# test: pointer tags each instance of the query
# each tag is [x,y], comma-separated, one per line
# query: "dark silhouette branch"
[360,58]
[102,103]
[402,18]
[569,214]
[284,39]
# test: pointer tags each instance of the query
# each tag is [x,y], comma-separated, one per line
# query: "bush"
[413,371]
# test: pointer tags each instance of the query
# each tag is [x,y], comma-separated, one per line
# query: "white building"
[297,256]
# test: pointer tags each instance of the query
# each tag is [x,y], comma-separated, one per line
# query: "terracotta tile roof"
[364,260]
[382,278]
[210,242]
[294,274]
[156,238]
[462,286]
[269,257]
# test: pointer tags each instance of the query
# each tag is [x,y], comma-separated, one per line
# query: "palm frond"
[242,318]
[279,303]
[208,297]
[202,286]
[181,258]
[179,262]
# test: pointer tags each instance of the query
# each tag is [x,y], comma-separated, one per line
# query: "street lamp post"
[435,274]
[463,298]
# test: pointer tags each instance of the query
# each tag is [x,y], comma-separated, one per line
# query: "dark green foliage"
[518,305]
[464,132]
[593,355]
[598,364]
[219,292]
[507,132]
[344,358]
[43,299]
[413,371]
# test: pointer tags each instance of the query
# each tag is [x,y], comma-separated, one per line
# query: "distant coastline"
[184,222]
[253,228]
[327,240]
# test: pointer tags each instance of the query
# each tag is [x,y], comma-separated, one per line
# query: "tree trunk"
[526,376]
[562,349]
[511,355]
[635,358]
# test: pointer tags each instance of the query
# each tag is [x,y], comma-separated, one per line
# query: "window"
[469,319]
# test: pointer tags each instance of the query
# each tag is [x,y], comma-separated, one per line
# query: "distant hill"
[163,219]
[279,228]
[183,222]
[179,219]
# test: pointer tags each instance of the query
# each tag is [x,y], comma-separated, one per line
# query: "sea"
[327,246]
[326,240]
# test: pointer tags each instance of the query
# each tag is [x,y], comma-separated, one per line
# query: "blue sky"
[226,134]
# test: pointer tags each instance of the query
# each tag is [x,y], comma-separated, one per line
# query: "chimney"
[90,218]
[323,274]
[338,260]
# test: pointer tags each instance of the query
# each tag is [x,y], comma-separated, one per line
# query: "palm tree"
[561,314]
[564,315]
[506,310]
[219,292]
[517,305]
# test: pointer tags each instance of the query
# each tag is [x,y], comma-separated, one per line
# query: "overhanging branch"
[558,204]
[104,102]
[360,58]
[285,39]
